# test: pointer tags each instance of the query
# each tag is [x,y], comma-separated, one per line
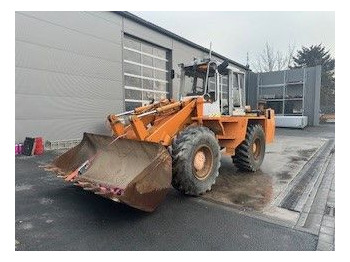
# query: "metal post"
[258,90]
[304,80]
[239,90]
[230,92]
[284,92]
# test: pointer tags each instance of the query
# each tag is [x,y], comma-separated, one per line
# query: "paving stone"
[324,246]
[313,221]
[327,230]
[331,199]
[328,221]
[328,224]
[326,238]
[319,209]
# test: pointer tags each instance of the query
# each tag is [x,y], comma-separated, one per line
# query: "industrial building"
[75,68]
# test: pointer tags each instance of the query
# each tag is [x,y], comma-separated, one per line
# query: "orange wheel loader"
[169,142]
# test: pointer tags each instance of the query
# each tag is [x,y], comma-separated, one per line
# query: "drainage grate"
[308,172]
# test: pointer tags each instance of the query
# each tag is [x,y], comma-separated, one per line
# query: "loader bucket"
[133,172]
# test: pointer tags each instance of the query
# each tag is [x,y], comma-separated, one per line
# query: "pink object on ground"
[20,148]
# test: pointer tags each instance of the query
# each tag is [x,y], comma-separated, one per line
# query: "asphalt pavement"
[54,215]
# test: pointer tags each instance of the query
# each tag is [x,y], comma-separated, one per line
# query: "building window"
[146,73]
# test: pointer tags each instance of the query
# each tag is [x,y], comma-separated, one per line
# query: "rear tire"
[196,160]
[250,153]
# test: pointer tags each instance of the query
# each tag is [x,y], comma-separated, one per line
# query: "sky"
[233,34]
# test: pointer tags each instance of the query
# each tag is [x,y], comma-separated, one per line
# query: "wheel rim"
[256,148]
[202,162]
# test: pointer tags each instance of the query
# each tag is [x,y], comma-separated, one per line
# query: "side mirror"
[222,66]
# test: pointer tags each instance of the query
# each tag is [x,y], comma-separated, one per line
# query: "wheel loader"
[170,142]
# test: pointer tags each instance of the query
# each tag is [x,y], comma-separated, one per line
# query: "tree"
[318,55]
[270,60]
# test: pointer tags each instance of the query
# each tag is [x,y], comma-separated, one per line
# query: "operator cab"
[219,84]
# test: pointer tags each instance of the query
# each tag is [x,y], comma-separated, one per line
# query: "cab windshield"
[194,80]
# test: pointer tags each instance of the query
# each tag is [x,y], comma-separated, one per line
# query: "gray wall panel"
[53,107]
[32,30]
[271,78]
[183,47]
[109,17]
[38,57]
[147,34]
[295,75]
[82,23]
[47,83]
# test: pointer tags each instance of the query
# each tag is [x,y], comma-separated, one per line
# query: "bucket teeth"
[87,186]
[103,193]
[82,184]
[94,189]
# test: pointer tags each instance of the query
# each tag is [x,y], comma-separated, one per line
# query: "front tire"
[196,160]
[250,153]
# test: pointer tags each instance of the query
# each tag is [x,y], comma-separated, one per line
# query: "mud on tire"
[250,153]
[196,160]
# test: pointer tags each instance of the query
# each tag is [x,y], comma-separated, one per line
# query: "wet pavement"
[241,189]
[246,190]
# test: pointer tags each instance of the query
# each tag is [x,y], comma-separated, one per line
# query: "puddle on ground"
[249,190]
[285,175]
[256,190]
[23,187]
[246,190]
[307,153]
[298,158]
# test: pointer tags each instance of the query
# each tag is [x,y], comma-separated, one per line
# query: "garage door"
[146,72]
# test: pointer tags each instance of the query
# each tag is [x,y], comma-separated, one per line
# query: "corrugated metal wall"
[69,70]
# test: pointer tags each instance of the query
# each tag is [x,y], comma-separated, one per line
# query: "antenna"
[247,59]
[210,50]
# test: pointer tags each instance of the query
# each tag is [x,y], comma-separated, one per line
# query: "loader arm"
[159,125]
